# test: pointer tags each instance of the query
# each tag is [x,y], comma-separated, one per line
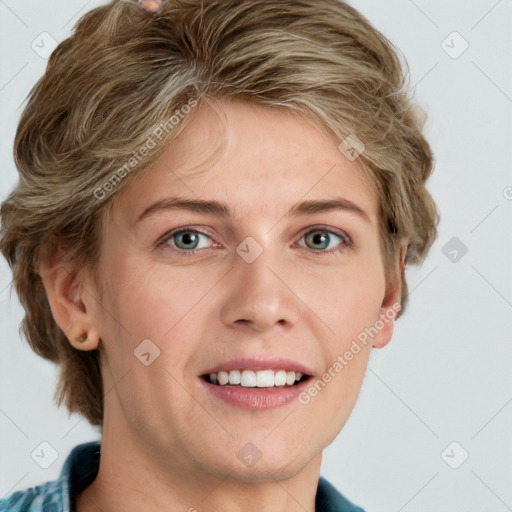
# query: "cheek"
[351,301]
[353,307]
[154,302]
[145,300]
[350,308]
[146,311]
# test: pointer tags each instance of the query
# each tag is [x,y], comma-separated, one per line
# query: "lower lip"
[256,398]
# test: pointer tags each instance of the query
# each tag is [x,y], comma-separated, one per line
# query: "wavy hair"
[123,74]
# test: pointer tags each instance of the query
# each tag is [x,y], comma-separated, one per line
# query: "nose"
[261,295]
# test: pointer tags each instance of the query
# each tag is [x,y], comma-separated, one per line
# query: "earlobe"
[88,340]
[391,304]
[388,313]
[64,290]
[385,325]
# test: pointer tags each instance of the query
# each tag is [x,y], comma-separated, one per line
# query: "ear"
[391,304]
[65,290]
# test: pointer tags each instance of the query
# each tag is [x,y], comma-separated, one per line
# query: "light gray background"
[446,374]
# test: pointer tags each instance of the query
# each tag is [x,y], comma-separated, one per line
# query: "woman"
[215,209]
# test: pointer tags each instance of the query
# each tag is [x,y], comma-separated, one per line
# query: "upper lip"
[255,364]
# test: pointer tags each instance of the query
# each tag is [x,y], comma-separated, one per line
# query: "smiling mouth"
[255,379]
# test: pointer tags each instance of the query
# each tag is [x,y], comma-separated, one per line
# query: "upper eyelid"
[185,229]
[343,235]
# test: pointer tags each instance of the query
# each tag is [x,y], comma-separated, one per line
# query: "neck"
[135,475]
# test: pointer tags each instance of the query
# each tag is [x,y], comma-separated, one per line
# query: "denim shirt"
[81,468]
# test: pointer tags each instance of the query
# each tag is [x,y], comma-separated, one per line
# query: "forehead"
[256,159]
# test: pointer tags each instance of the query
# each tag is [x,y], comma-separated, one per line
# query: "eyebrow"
[222,210]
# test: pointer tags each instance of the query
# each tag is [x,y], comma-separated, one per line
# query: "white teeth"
[252,379]
[265,379]
[223,378]
[248,379]
[234,377]
[280,378]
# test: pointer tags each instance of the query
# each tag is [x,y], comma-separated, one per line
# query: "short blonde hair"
[124,76]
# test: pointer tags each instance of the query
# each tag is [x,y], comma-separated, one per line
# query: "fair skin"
[167,444]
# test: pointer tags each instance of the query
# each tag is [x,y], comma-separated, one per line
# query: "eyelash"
[345,240]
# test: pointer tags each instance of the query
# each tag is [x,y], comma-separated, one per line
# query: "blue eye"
[322,239]
[185,239]
[188,241]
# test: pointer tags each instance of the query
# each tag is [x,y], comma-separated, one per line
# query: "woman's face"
[249,285]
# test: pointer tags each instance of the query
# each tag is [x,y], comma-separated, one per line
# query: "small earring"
[81,338]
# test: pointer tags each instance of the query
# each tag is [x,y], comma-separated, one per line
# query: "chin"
[259,462]
[265,470]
